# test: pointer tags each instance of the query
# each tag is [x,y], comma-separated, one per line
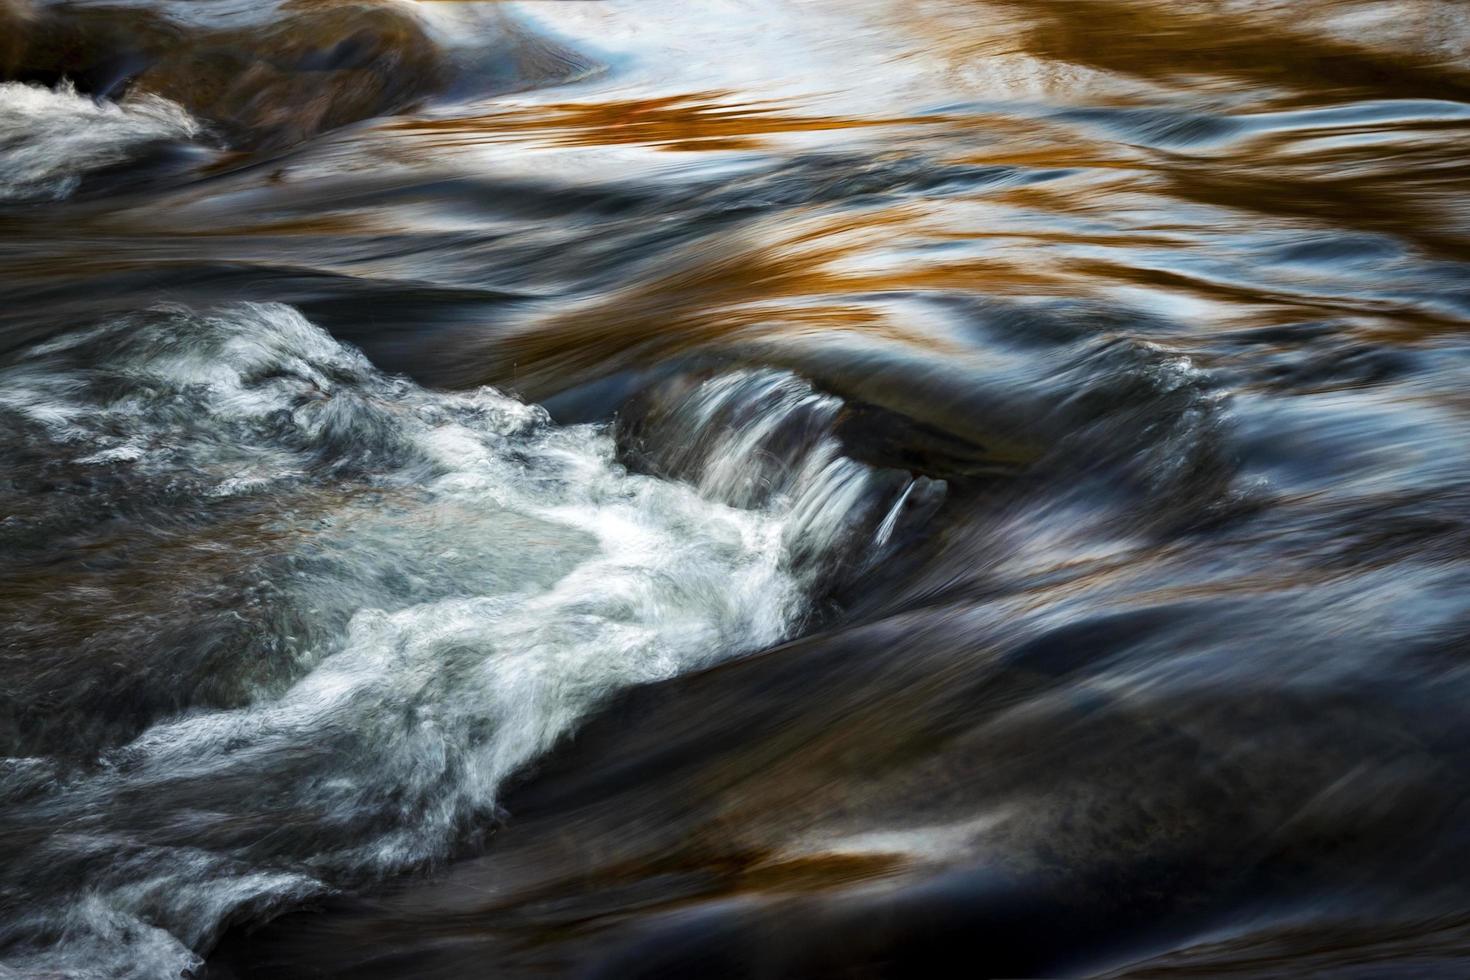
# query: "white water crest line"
[498,577]
[50,138]
[890,520]
[766,437]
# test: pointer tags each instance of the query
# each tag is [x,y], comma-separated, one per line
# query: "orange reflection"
[693,121]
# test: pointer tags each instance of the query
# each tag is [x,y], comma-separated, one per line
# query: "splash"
[51,138]
[494,577]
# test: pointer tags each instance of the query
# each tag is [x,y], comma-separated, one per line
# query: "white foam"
[767,438]
[558,579]
[49,138]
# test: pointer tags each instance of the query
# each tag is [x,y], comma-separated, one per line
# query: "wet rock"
[305,69]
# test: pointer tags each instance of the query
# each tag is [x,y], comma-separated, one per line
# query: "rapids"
[734,488]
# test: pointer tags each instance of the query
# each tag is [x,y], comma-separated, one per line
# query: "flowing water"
[735,488]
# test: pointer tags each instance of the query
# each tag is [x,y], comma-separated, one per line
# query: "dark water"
[735,488]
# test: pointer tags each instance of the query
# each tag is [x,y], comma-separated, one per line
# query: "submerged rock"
[302,69]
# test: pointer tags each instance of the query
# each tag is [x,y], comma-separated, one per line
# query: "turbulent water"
[734,488]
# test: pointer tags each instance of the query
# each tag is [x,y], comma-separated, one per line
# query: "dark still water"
[735,488]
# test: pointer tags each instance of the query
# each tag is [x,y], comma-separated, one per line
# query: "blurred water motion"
[734,488]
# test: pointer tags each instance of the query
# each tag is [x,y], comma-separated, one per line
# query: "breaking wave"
[478,577]
[51,138]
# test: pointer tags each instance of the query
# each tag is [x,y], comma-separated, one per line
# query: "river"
[734,488]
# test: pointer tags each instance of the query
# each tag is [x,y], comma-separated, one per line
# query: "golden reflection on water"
[1285,51]
[685,122]
[1166,216]
[1258,45]
[1082,236]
